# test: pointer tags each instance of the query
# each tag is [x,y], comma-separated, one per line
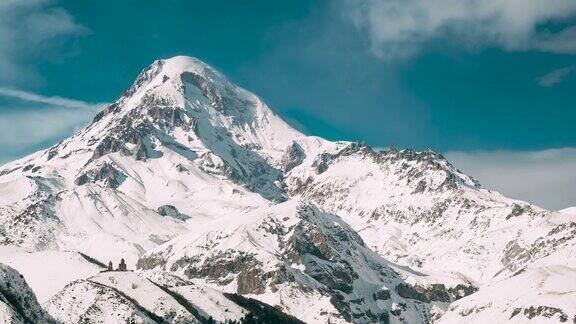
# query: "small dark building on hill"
[122,265]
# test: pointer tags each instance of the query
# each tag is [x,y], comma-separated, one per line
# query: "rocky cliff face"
[417,209]
[18,303]
[189,174]
[294,249]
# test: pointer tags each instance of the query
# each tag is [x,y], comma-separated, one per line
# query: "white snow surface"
[546,294]
[47,272]
[569,210]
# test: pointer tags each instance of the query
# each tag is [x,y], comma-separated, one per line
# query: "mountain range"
[224,212]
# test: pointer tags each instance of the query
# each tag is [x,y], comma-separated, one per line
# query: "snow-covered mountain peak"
[182,143]
[178,64]
[178,110]
[187,82]
[183,94]
[175,69]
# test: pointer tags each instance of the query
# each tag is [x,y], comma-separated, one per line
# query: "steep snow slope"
[85,301]
[208,302]
[47,272]
[211,303]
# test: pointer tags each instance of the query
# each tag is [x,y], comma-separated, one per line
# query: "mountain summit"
[200,186]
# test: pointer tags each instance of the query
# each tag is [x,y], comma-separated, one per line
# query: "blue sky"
[483,78]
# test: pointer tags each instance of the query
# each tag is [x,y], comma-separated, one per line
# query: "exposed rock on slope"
[294,249]
[17,301]
[417,209]
[181,135]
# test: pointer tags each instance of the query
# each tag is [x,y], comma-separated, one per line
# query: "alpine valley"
[224,213]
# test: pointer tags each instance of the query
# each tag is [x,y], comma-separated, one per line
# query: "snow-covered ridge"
[189,175]
[294,249]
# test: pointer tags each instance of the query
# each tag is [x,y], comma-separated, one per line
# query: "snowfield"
[536,295]
[47,272]
[221,210]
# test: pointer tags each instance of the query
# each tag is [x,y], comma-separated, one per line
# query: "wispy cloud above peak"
[35,121]
[546,178]
[400,28]
[32,31]
[557,76]
[50,100]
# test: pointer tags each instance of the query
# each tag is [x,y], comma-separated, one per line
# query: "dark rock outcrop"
[20,303]
[541,311]
[171,211]
[111,177]
[434,292]
[293,157]
[381,294]
[208,89]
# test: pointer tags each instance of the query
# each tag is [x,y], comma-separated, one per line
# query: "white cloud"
[22,129]
[48,120]
[32,31]
[563,42]
[546,178]
[53,100]
[557,76]
[400,28]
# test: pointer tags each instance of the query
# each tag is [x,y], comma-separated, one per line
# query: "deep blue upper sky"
[321,69]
